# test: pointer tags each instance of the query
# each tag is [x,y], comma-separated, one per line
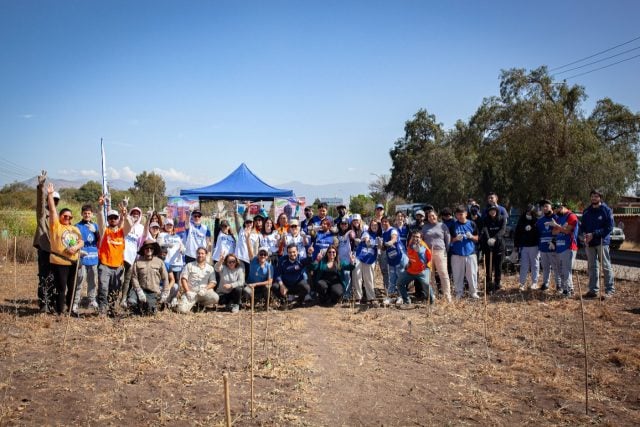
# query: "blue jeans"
[422,278]
[593,259]
[565,265]
[395,271]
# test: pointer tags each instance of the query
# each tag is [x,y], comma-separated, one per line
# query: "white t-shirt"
[225,243]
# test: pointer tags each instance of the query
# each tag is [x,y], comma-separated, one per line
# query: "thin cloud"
[172,174]
[27,116]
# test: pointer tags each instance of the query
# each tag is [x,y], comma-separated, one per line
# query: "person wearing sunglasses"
[231,273]
[260,275]
[329,275]
[66,242]
[198,236]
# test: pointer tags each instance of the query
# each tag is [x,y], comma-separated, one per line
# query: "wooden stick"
[73,295]
[485,296]
[584,343]
[227,401]
[266,323]
[602,285]
[15,271]
[251,360]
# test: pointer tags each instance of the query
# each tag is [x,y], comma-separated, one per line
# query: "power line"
[595,62]
[600,68]
[595,54]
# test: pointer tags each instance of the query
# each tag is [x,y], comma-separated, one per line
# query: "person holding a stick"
[492,244]
[41,242]
[291,277]
[597,224]
[260,275]
[66,242]
[148,273]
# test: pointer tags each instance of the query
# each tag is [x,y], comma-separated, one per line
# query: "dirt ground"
[325,366]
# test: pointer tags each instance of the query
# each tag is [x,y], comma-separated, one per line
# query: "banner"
[179,208]
[292,207]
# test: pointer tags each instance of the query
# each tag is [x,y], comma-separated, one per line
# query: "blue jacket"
[598,221]
[291,272]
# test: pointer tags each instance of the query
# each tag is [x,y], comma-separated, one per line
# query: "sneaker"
[590,294]
[567,293]
[386,301]
[123,304]
[522,288]
[544,287]
[608,294]
[235,308]
[373,303]
[399,301]
[93,304]
[474,296]
[534,287]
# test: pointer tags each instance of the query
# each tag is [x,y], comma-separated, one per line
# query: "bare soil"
[325,366]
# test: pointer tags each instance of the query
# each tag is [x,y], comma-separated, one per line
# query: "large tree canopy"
[532,141]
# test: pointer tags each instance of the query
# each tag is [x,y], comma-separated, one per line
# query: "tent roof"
[241,184]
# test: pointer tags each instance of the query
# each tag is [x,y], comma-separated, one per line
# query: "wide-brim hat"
[150,243]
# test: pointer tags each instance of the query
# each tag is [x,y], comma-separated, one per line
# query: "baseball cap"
[263,249]
[420,212]
[356,217]
[557,204]
[168,221]
[379,206]
[113,212]
[154,224]
[294,222]
[56,195]
[196,212]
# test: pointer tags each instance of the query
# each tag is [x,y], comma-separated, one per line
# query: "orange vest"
[111,251]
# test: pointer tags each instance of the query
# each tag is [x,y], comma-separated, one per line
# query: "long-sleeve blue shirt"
[599,221]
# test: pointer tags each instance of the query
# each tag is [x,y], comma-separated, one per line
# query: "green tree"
[148,191]
[362,204]
[89,192]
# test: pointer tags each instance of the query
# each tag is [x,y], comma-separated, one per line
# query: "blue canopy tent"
[241,184]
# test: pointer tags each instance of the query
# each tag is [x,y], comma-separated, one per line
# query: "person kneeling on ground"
[147,274]
[231,281]
[291,277]
[418,269]
[260,275]
[329,276]
[197,282]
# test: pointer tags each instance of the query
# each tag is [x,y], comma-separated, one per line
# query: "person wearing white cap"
[110,256]
[43,245]
[296,237]
[172,242]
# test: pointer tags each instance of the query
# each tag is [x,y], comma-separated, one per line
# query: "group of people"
[144,266]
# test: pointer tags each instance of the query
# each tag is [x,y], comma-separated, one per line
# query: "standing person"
[438,238]
[492,244]
[525,239]
[366,256]
[198,283]
[225,243]
[400,224]
[148,273]
[290,274]
[317,220]
[198,236]
[492,200]
[346,247]
[89,260]
[270,238]
[330,276]
[111,256]
[296,237]
[396,257]
[464,236]
[597,224]
[66,242]
[565,230]
[418,269]
[172,242]
[248,239]
[547,246]
[308,214]
[420,221]
[132,242]
[231,281]
[41,242]
[323,238]
[382,257]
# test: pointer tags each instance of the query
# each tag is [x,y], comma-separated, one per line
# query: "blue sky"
[310,91]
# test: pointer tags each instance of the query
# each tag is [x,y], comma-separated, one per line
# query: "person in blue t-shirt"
[89,262]
[464,263]
[546,245]
[260,275]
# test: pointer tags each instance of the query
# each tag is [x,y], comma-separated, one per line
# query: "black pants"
[65,276]
[188,259]
[300,288]
[329,292]
[46,281]
[495,256]
[232,297]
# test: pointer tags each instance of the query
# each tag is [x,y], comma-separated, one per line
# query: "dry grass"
[325,366]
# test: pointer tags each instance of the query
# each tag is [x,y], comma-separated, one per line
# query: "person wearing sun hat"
[148,273]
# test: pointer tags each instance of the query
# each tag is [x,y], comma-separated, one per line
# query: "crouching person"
[231,281]
[291,275]
[260,276]
[418,268]
[147,273]
[197,281]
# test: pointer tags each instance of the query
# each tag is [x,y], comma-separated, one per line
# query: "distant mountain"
[118,184]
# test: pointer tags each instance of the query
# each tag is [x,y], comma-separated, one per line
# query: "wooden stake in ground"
[485,295]
[15,272]
[73,296]
[584,343]
[266,321]
[227,401]
[251,359]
